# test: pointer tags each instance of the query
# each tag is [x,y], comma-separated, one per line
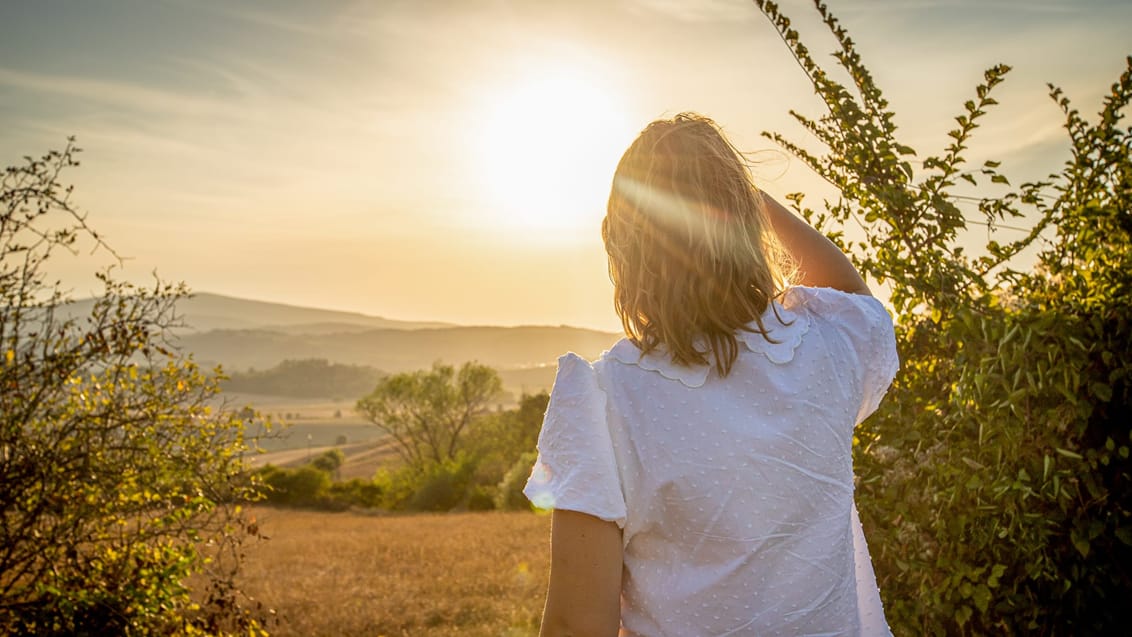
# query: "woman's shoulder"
[829,302]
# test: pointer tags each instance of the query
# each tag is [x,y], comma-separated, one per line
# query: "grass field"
[368,575]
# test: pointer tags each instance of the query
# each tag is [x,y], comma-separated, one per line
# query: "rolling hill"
[394,350]
[242,334]
[204,311]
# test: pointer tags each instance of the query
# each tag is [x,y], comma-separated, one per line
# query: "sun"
[546,150]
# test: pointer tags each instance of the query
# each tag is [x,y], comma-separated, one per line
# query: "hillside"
[205,311]
[396,350]
[244,335]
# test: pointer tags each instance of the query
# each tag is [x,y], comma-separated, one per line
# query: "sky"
[450,160]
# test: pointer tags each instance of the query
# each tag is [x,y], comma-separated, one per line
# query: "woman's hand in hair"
[820,263]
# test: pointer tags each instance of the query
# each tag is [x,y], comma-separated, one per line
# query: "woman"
[701,470]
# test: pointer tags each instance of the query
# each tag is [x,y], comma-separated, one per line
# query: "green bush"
[365,494]
[481,498]
[120,479]
[444,485]
[329,461]
[509,494]
[304,486]
[501,437]
[994,480]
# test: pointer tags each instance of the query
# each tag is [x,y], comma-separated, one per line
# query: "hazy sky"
[450,160]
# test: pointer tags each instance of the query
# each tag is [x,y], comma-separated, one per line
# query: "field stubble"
[437,575]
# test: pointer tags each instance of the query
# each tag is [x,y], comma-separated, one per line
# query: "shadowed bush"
[995,478]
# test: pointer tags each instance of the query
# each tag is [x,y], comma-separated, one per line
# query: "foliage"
[444,486]
[995,477]
[307,378]
[306,486]
[359,493]
[118,472]
[503,436]
[329,461]
[428,412]
[312,486]
[509,494]
[460,451]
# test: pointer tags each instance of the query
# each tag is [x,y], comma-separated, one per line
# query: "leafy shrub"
[304,486]
[121,479]
[444,485]
[509,494]
[329,461]
[366,494]
[994,480]
[481,498]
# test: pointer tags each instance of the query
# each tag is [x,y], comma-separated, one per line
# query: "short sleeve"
[576,467]
[866,327]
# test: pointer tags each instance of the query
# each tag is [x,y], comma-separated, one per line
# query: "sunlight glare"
[547,150]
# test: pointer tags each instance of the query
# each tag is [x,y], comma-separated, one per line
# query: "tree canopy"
[427,412]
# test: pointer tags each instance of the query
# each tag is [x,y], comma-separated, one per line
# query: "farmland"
[438,575]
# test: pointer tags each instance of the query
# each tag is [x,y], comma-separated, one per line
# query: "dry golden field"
[445,574]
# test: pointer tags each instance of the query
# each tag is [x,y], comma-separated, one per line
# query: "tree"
[329,461]
[504,436]
[308,378]
[120,478]
[427,412]
[994,480]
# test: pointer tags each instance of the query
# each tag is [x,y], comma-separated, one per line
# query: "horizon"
[448,162]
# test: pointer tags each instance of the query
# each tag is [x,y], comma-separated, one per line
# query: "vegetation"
[995,477]
[486,472]
[428,412]
[307,378]
[120,481]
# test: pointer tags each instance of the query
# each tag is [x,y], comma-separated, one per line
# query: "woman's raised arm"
[820,262]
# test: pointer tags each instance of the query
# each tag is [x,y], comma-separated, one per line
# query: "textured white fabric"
[735,494]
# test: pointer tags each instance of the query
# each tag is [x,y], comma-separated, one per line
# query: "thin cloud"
[1023,6]
[704,11]
[120,94]
[275,20]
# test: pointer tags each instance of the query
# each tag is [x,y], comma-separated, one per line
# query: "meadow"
[393,575]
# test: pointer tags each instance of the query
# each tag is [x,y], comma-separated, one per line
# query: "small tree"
[120,478]
[329,461]
[427,412]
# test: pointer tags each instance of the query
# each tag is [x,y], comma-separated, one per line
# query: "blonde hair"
[692,255]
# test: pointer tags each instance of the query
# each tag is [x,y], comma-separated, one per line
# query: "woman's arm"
[820,262]
[584,598]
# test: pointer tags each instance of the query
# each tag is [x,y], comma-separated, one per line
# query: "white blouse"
[734,494]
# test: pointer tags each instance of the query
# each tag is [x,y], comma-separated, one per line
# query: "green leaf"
[1102,391]
[1079,543]
[1069,454]
[996,572]
[963,615]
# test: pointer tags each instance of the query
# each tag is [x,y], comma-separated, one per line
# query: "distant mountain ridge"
[205,311]
[241,334]
[393,350]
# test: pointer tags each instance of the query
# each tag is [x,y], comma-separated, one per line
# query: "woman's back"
[735,493]
[701,471]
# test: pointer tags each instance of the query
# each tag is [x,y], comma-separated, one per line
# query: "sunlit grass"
[445,574]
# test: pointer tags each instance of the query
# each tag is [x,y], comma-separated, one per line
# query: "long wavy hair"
[692,255]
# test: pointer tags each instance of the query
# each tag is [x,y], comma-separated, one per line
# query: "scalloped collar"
[788,333]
